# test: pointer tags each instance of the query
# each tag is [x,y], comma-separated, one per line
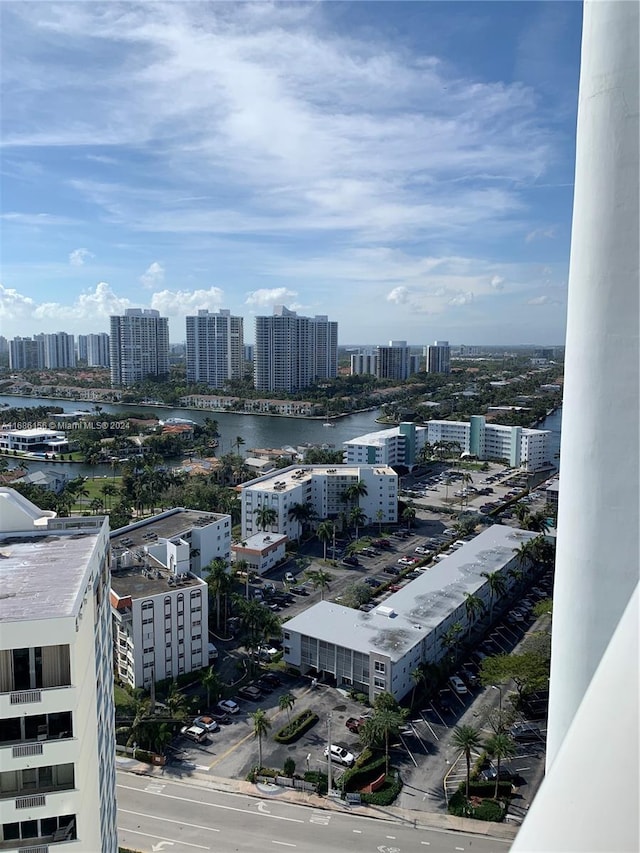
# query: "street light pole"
[499,689]
[329,781]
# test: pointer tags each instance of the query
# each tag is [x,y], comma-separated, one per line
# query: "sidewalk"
[418,819]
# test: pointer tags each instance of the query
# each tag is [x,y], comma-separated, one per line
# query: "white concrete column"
[598,515]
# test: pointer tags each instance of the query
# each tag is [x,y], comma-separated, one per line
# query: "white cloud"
[13,305]
[497,282]
[538,300]
[461,298]
[275,296]
[153,276]
[399,295]
[179,303]
[541,234]
[79,257]
[36,219]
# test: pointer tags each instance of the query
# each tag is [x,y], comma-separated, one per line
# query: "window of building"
[379,666]
[379,684]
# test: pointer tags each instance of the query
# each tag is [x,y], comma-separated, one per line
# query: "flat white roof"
[260,541]
[286,478]
[31,433]
[420,606]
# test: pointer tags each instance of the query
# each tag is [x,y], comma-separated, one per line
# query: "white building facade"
[57,737]
[59,350]
[261,552]
[215,347]
[377,651]
[439,357]
[138,346]
[322,489]
[98,350]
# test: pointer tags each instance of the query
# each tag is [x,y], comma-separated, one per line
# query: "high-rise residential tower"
[57,737]
[97,350]
[215,345]
[395,361]
[439,357]
[59,350]
[26,353]
[81,347]
[138,346]
[291,352]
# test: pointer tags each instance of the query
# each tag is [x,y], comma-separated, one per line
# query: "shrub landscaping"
[297,727]
[481,804]
[363,774]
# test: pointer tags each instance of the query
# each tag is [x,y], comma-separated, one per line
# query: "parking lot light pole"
[499,689]
[329,781]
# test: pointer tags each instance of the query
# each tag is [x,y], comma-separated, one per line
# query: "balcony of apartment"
[46,735]
[36,836]
[38,676]
[23,792]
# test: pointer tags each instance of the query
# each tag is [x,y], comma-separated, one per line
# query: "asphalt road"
[159,815]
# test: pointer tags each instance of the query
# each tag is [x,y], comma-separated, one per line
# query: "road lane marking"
[168,820]
[358,831]
[215,805]
[459,848]
[160,838]
[426,843]
[284,843]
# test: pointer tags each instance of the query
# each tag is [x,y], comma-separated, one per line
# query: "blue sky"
[405,168]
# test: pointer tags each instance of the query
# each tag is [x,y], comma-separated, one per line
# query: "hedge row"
[386,795]
[362,774]
[297,727]
[488,809]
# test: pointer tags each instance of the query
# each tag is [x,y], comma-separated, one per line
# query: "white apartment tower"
[291,352]
[26,353]
[81,347]
[395,362]
[59,350]
[138,346]
[97,350]
[439,357]
[57,738]
[215,348]
[364,362]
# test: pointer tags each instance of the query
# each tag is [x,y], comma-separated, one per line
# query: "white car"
[340,755]
[458,685]
[207,723]
[289,577]
[194,733]
[229,706]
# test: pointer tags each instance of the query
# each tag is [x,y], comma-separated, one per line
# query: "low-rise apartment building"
[377,651]
[261,552]
[322,489]
[57,738]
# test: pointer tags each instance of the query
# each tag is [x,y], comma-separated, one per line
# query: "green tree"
[538,522]
[497,586]
[238,443]
[302,513]
[417,676]
[261,726]
[357,517]
[384,723]
[543,608]
[108,491]
[242,566]
[522,512]
[320,580]
[466,738]
[409,515]
[210,680]
[266,516]
[176,702]
[474,607]
[325,532]
[499,746]
[286,703]
[529,671]
[450,639]
[219,581]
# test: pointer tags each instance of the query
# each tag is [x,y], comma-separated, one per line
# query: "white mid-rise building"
[322,489]
[138,346]
[377,651]
[98,350]
[529,449]
[59,350]
[57,737]
[439,357]
[215,348]
[396,362]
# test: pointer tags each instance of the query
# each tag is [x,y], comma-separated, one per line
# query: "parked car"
[228,706]
[350,561]
[367,607]
[250,692]
[374,583]
[299,590]
[206,722]
[470,677]
[289,577]
[194,733]
[525,732]
[392,570]
[408,561]
[490,774]
[266,652]
[265,685]
[221,717]
[413,575]
[354,724]
[340,755]
[272,678]
[213,652]
[458,685]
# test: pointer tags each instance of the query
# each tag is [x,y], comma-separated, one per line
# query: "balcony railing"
[24,697]
[23,750]
[31,802]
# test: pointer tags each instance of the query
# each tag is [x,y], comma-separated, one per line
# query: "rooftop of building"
[42,574]
[260,541]
[283,479]
[166,525]
[420,606]
[135,583]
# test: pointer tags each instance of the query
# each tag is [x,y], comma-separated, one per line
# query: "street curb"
[417,819]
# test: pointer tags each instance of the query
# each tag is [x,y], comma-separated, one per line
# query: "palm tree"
[384,722]
[357,490]
[266,516]
[286,703]
[465,738]
[538,522]
[319,578]
[409,515]
[447,483]
[417,676]
[449,640]
[108,491]
[96,505]
[522,512]
[465,479]
[474,607]
[210,680]
[261,726]
[497,587]
[176,702]
[379,518]
[218,580]
[238,443]
[499,746]
[324,532]
[301,513]
[242,566]
[357,517]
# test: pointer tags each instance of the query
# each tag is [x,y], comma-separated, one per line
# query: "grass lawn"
[123,701]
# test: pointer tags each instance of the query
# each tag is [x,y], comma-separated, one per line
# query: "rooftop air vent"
[389,612]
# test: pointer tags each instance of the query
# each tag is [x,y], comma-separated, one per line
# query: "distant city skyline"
[405,168]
